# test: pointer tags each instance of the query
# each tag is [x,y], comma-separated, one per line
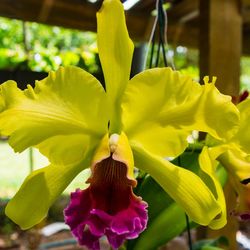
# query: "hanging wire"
[160,25]
[158,39]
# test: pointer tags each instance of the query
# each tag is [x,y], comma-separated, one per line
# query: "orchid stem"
[31,159]
[189,233]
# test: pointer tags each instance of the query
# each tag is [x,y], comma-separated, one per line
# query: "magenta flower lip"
[107,207]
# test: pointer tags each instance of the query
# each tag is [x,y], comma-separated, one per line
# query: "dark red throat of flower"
[107,207]
[110,186]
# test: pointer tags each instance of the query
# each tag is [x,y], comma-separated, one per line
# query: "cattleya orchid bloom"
[73,121]
[234,155]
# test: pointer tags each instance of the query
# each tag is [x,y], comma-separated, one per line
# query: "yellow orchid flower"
[73,121]
[234,155]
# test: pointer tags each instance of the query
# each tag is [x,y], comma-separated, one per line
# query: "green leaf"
[155,196]
[163,212]
[170,223]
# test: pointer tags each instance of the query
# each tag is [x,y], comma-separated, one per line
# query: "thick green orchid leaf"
[161,209]
[157,199]
[186,188]
[162,212]
[69,102]
[160,204]
[161,119]
[169,224]
[115,52]
[38,191]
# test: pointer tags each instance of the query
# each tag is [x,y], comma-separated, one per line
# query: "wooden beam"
[80,15]
[45,11]
[182,9]
[220,51]
[221,42]
[183,34]
[183,24]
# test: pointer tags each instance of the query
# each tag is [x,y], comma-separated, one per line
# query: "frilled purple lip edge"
[89,224]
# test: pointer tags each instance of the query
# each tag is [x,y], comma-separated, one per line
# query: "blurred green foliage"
[245,74]
[40,47]
[212,244]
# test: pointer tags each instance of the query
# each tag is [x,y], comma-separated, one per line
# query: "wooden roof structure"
[220,29]
[183,16]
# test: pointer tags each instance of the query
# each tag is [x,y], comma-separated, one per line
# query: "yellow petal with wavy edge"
[186,188]
[223,123]
[236,162]
[166,106]
[38,191]
[115,52]
[69,101]
[243,136]
[118,147]
[208,166]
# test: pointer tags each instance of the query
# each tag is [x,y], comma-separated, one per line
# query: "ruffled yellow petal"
[38,191]
[186,188]
[237,163]
[208,166]
[161,106]
[68,102]
[223,123]
[115,52]
[242,138]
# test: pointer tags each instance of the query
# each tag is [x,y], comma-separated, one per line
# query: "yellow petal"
[186,188]
[68,102]
[67,149]
[38,191]
[223,123]
[242,138]
[115,52]
[161,106]
[208,166]
[237,163]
